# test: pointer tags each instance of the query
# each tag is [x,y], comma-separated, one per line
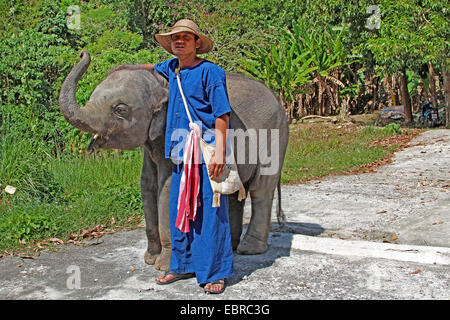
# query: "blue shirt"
[205,89]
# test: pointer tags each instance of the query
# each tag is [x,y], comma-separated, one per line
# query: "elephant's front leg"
[164,178]
[149,192]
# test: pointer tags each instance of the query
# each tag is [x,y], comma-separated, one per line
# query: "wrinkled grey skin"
[128,110]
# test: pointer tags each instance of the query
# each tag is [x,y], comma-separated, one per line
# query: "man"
[205,251]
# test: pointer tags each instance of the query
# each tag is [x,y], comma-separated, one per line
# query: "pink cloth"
[188,199]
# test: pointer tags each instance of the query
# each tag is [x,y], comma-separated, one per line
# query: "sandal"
[211,291]
[176,277]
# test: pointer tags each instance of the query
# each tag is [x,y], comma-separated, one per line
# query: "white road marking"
[365,249]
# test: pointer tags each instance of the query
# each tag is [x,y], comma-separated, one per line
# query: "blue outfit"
[205,250]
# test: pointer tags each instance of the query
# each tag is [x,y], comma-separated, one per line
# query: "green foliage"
[283,68]
[324,44]
[27,226]
[392,128]
[388,130]
[299,56]
[412,33]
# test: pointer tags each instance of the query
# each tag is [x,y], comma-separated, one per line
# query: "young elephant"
[128,110]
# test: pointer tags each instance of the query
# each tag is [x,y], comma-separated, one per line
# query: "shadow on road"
[245,265]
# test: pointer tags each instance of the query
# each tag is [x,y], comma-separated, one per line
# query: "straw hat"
[185,25]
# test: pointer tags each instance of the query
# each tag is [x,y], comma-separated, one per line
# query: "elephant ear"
[158,123]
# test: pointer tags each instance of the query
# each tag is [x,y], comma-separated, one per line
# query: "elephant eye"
[120,110]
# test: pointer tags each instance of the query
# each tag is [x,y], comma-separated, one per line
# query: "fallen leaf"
[394,237]
[382,211]
[84,244]
[42,244]
[132,268]
[59,241]
[416,272]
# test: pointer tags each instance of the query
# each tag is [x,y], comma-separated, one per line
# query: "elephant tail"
[280,214]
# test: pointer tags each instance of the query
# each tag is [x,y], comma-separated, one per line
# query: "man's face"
[184,44]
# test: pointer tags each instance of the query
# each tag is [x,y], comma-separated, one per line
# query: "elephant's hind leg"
[255,239]
[236,214]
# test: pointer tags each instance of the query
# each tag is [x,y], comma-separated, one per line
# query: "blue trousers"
[206,249]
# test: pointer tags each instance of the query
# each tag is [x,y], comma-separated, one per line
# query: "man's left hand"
[217,165]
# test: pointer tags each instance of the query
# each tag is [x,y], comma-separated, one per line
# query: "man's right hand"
[117,69]
[133,67]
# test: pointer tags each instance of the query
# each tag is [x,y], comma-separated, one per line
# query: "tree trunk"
[432,84]
[420,95]
[446,76]
[316,99]
[405,96]
[146,35]
[375,93]
[388,88]
[396,90]
[321,90]
[331,99]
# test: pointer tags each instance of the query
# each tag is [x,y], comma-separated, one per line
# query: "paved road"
[383,235]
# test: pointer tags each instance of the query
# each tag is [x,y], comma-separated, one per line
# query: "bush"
[28,226]
[392,128]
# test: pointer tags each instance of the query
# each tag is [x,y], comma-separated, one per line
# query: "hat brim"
[164,39]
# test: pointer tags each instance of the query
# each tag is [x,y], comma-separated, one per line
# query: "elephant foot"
[251,245]
[163,260]
[150,258]
[234,243]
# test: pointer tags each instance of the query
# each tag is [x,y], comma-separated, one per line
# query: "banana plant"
[328,54]
[283,69]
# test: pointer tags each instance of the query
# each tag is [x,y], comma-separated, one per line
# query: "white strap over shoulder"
[230,181]
[177,71]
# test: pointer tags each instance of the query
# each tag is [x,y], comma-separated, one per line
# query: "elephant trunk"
[67,101]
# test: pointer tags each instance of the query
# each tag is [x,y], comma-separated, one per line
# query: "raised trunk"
[405,96]
[67,101]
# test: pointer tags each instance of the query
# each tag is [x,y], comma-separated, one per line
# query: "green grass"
[317,150]
[89,192]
